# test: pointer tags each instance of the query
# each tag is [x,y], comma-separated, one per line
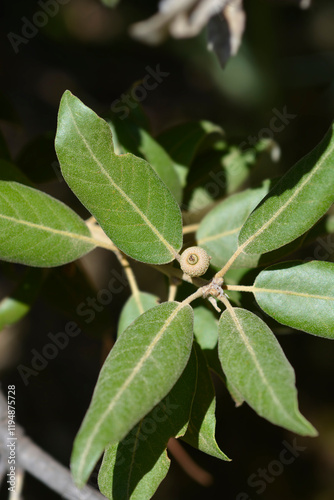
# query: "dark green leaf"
[202,425]
[146,361]
[134,468]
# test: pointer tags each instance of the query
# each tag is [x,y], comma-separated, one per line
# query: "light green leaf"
[295,204]
[205,327]
[134,468]
[38,230]
[202,425]
[146,361]
[300,295]
[136,140]
[125,195]
[255,364]
[134,307]
[219,230]
[18,304]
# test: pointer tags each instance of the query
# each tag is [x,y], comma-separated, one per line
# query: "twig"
[193,470]
[41,465]
[131,278]
[16,494]
[191,228]
[172,291]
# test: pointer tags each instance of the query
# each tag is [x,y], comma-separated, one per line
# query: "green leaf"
[219,230]
[134,468]
[136,140]
[134,307]
[125,195]
[295,204]
[256,366]
[18,304]
[146,361]
[38,230]
[202,425]
[300,295]
[10,172]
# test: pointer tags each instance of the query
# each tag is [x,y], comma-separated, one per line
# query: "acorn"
[195,261]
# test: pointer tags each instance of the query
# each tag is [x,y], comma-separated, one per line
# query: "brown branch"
[41,465]
[185,461]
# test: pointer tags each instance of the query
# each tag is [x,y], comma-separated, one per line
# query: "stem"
[131,278]
[191,228]
[193,296]
[239,288]
[172,292]
[171,271]
[99,237]
[229,263]
[226,302]
[187,463]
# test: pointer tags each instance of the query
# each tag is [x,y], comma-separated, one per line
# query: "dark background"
[286,59]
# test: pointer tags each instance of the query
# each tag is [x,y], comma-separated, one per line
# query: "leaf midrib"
[291,292]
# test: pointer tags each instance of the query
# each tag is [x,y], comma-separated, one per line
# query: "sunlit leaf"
[125,195]
[300,295]
[298,200]
[38,230]
[256,366]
